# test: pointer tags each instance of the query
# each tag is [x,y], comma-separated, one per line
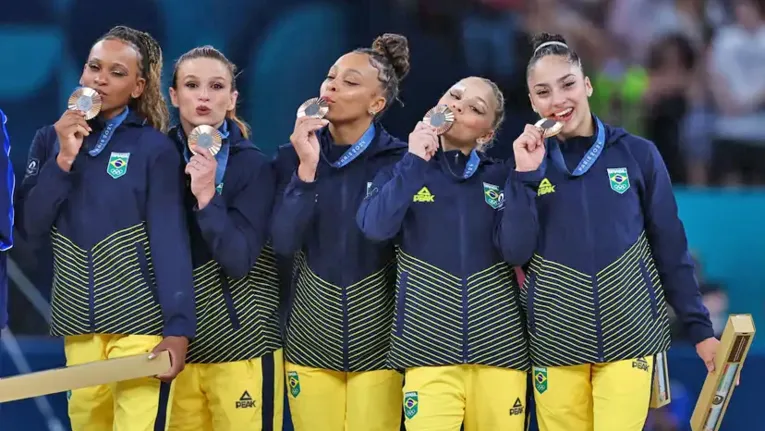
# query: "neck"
[586,129]
[348,133]
[112,113]
[447,145]
[188,127]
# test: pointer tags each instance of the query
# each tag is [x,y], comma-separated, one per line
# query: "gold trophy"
[87,100]
[718,386]
[549,127]
[316,108]
[440,117]
[206,137]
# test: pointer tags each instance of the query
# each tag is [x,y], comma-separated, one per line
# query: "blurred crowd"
[687,74]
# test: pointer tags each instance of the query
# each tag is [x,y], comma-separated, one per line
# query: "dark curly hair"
[554,44]
[389,54]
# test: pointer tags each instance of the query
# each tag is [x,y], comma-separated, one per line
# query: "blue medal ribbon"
[356,149]
[221,158]
[589,158]
[108,132]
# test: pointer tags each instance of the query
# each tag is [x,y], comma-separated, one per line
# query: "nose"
[456,106]
[204,95]
[558,98]
[99,79]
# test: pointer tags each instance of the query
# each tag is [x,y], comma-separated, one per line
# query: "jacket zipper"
[344,294]
[463,246]
[594,278]
[228,298]
[91,293]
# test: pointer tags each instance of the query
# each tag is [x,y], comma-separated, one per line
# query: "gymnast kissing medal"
[549,127]
[440,117]
[316,108]
[206,137]
[87,100]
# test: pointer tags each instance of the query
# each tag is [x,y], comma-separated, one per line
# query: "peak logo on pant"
[245,401]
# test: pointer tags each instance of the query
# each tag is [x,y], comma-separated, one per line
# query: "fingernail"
[152,356]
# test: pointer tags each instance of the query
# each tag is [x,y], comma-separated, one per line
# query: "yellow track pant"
[484,398]
[326,400]
[594,397]
[133,405]
[230,396]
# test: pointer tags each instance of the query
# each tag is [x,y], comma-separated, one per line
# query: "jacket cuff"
[529,177]
[698,332]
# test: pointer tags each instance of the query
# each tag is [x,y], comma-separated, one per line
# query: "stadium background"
[284,48]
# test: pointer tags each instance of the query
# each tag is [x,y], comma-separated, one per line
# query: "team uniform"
[609,252]
[122,266]
[337,335]
[458,331]
[234,377]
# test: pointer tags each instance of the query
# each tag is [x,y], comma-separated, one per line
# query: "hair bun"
[541,38]
[395,48]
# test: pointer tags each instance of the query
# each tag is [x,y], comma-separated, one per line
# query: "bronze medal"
[207,137]
[316,108]
[87,100]
[440,117]
[549,127]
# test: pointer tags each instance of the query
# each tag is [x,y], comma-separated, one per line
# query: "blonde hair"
[208,51]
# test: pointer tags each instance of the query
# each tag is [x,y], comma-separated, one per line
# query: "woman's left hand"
[201,168]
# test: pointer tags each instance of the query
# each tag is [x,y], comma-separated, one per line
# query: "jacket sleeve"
[44,189]
[517,229]
[236,231]
[7,185]
[669,246]
[294,207]
[169,242]
[388,197]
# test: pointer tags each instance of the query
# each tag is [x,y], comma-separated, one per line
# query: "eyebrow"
[558,80]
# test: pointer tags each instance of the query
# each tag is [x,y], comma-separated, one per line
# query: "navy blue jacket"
[234,267]
[7,184]
[122,263]
[457,298]
[342,303]
[605,249]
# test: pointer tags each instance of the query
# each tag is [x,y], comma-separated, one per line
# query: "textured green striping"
[428,327]
[124,295]
[315,334]
[632,311]
[255,300]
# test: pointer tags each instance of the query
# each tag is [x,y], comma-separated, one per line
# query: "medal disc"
[207,137]
[86,100]
[549,127]
[316,108]
[440,117]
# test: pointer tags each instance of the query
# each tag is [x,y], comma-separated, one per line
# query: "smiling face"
[559,91]
[113,70]
[475,109]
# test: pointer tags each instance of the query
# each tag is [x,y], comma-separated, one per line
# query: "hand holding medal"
[201,168]
[529,148]
[72,128]
[310,118]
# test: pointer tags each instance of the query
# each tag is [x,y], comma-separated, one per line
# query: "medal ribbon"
[108,132]
[356,149]
[589,158]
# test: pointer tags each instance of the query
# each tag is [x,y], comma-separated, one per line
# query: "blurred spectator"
[737,68]
[488,33]
[670,69]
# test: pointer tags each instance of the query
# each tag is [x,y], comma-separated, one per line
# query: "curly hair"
[151,104]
